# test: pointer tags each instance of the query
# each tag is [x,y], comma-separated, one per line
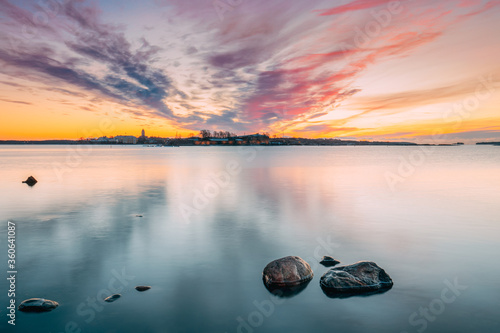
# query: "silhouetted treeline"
[205,134]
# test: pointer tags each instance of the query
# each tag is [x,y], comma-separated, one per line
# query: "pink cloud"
[264,63]
[353,6]
[488,6]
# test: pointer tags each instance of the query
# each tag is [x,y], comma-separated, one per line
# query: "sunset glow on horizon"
[422,71]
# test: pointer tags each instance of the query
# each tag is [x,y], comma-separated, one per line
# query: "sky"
[422,71]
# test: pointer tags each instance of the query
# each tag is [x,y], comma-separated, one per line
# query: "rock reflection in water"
[286,291]
[331,293]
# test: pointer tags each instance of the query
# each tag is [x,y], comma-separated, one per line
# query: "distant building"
[143,133]
[254,139]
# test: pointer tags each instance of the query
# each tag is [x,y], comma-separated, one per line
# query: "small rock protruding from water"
[142,288]
[364,277]
[112,298]
[288,276]
[328,261]
[289,270]
[30,181]
[37,305]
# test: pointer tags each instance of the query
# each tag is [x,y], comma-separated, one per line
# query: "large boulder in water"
[287,271]
[37,305]
[364,277]
[288,276]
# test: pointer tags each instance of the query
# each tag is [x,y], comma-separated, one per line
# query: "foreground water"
[199,224]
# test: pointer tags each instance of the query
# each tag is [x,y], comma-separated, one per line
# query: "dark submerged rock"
[287,271]
[37,305]
[361,278]
[328,261]
[112,298]
[142,288]
[30,181]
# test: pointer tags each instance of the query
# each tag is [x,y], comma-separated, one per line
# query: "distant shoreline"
[281,142]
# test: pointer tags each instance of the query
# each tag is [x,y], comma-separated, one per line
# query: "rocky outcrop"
[30,181]
[37,305]
[364,277]
[328,261]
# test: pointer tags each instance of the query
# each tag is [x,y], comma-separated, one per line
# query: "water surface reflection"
[76,231]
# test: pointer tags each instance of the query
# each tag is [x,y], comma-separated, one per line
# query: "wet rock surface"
[328,261]
[37,305]
[287,271]
[361,278]
[112,298]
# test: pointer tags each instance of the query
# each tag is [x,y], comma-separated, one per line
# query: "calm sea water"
[213,217]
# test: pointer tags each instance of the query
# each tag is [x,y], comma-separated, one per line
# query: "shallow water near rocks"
[202,247]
